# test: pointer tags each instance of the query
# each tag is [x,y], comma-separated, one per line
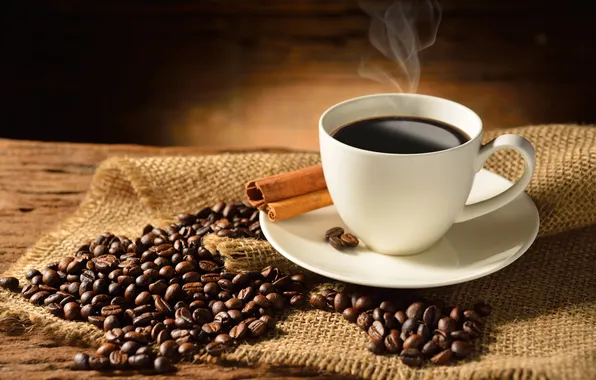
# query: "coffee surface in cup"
[400,134]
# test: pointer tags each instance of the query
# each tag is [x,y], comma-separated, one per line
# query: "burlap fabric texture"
[544,320]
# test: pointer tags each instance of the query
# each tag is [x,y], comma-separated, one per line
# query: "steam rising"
[400,30]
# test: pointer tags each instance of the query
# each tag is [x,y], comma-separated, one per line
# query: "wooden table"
[40,185]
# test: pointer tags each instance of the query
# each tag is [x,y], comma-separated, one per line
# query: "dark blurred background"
[256,73]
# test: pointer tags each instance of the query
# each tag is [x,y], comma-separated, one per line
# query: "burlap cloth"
[544,319]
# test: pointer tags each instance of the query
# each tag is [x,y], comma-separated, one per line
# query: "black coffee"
[400,134]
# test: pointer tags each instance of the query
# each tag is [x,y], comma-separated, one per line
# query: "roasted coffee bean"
[425,332]
[187,350]
[318,301]
[376,331]
[72,311]
[349,240]
[364,303]
[10,283]
[483,309]
[159,287]
[111,322]
[377,314]
[267,288]
[96,320]
[393,342]
[472,329]
[215,348]
[461,348]
[224,339]
[471,315]
[415,311]
[414,341]
[53,298]
[461,335]
[143,319]
[336,243]
[140,361]
[115,310]
[208,266]
[298,277]
[276,301]
[442,339]
[87,297]
[239,331]
[211,289]
[350,314]
[100,285]
[431,316]
[98,363]
[377,347]
[37,280]
[388,306]
[364,321]
[234,303]
[224,295]
[341,302]
[118,359]
[447,324]
[442,357]
[456,314]
[257,328]
[143,298]
[218,307]
[212,328]
[66,300]
[50,277]
[298,300]
[333,232]
[55,309]
[163,336]
[283,282]
[269,321]
[223,283]
[250,308]
[81,362]
[430,349]
[168,348]
[409,327]
[163,365]
[173,292]
[247,294]
[137,337]
[401,317]
[412,357]
[106,349]
[29,291]
[39,297]
[114,335]
[130,347]
[32,273]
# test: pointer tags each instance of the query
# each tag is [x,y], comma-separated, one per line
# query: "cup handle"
[515,142]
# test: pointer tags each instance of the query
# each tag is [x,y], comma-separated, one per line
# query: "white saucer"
[469,250]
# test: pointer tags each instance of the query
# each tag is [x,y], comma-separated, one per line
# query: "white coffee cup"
[401,204]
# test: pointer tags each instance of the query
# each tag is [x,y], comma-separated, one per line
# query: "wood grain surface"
[40,185]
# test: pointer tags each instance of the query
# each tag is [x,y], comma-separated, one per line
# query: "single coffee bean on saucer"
[334,232]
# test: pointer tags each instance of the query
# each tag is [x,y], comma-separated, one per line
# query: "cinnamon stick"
[289,194]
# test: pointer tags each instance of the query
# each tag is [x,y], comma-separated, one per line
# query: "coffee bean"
[283,282]
[215,348]
[111,322]
[431,316]
[461,348]
[130,347]
[81,362]
[472,329]
[376,331]
[32,273]
[442,339]
[114,335]
[239,331]
[388,306]
[163,365]
[400,316]
[39,297]
[187,350]
[140,361]
[377,314]
[173,292]
[430,349]
[350,314]
[37,280]
[447,324]
[234,303]
[298,300]
[208,266]
[456,314]
[246,294]
[409,327]
[414,341]
[276,301]
[50,277]
[393,342]
[10,283]
[341,302]
[98,363]
[425,332]
[298,277]
[461,335]
[106,349]
[257,328]
[364,303]
[415,311]
[72,311]
[349,240]
[336,243]
[168,348]
[212,328]
[483,309]
[318,301]
[442,357]
[333,232]
[137,337]
[412,357]
[376,347]
[471,315]
[118,360]
[108,310]
[364,321]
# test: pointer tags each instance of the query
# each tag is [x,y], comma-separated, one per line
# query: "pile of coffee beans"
[339,239]
[423,331]
[163,297]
